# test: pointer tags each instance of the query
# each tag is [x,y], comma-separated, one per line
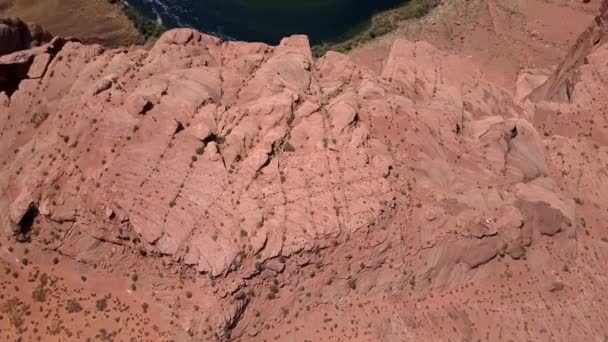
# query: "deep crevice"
[11,76]
[513,132]
[25,224]
[218,139]
[148,106]
[179,128]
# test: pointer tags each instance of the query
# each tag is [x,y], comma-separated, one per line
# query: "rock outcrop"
[560,85]
[21,55]
[406,204]
[15,35]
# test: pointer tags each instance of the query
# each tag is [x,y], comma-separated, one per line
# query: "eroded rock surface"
[318,199]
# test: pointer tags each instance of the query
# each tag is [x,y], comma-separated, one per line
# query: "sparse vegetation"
[72,306]
[101,304]
[15,310]
[104,335]
[381,24]
[39,118]
[39,294]
[149,28]
[289,147]
[274,289]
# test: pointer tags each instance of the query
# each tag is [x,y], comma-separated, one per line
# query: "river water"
[266,20]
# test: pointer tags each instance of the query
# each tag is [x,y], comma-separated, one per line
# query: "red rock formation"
[559,86]
[421,203]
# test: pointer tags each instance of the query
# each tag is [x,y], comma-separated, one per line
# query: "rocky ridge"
[285,187]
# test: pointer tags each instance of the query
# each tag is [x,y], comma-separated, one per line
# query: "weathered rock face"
[284,181]
[15,35]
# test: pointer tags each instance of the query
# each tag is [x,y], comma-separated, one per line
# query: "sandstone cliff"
[304,199]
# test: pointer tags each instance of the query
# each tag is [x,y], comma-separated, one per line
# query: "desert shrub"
[73,306]
[39,294]
[274,289]
[105,335]
[16,311]
[44,279]
[101,304]
[38,118]
[289,147]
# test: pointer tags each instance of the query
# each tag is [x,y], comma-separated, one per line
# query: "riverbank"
[114,23]
[150,29]
[380,24]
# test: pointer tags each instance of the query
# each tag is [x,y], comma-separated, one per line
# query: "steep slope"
[99,21]
[309,200]
[559,86]
[504,38]
[16,35]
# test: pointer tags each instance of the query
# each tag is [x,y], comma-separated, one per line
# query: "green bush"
[149,28]
[380,25]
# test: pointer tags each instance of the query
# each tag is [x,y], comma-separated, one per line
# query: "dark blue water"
[266,20]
